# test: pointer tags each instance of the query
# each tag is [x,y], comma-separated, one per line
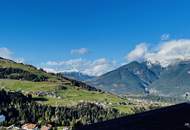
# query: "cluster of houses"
[26,126]
[31,126]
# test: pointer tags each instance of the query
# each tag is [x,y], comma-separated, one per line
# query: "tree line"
[17,107]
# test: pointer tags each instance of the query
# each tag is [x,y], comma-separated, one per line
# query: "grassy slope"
[4,63]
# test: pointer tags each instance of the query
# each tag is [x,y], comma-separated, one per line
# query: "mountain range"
[147,78]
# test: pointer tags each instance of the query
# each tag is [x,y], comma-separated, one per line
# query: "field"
[70,96]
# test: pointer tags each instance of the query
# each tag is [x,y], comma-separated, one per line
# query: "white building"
[2,118]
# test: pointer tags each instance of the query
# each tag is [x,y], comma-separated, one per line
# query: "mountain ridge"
[147,78]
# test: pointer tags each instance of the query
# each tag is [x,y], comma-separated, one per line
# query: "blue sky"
[40,31]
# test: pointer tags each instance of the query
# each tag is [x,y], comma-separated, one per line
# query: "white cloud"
[100,66]
[166,53]
[170,52]
[138,53]
[80,51]
[5,53]
[96,67]
[165,36]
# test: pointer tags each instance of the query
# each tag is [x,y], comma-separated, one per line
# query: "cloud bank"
[90,67]
[165,53]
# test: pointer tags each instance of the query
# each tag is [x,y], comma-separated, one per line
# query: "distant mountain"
[131,78]
[141,78]
[78,76]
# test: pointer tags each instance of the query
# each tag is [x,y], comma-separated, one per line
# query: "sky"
[94,36]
